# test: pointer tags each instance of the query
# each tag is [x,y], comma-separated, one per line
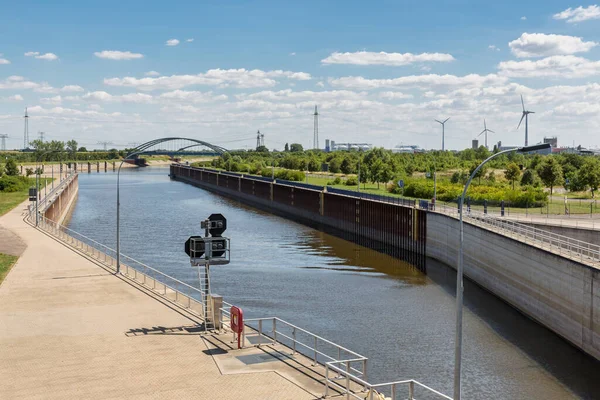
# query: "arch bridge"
[172,146]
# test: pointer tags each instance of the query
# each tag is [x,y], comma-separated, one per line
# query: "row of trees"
[56,150]
[576,172]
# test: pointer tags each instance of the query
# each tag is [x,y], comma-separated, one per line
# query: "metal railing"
[349,366]
[559,244]
[165,285]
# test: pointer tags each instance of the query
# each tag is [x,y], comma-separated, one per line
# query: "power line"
[26,131]
[316,129]
[105,144]
[3,136]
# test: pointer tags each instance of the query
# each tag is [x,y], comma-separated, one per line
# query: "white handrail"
[573,248]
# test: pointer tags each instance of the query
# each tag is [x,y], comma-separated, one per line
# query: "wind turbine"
[485,130]
[443,129]
[525,115]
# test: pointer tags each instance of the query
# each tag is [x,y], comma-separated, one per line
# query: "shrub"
[423,189]
[337,181]
[285,174]
[11,183]
[352,181]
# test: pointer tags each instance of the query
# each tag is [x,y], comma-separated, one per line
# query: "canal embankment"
[558,292]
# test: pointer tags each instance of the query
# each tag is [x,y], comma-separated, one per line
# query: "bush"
[351,181]
[526,196]
[13,183]
[285,174]
[337,181]
[11,168]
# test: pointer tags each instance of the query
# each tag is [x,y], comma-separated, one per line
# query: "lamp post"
[358,175]
[118,209]
[459,272]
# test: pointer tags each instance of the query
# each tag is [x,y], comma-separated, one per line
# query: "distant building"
[411,149]
[333,146]
[475,144]
[553,141]
[327,148]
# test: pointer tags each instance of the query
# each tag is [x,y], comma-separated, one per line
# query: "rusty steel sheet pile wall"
[390,228]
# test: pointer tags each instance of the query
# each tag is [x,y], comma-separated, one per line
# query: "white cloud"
[288,95]
[192,96]
[101,96]
[118,55]
[555,66]
[46,56]
[3,61]
[18,82]
[395,95]
[152,73]
[190,40]
[292,54]
[15,98]
[240,78]
[71,88]
[493,47]
[51,100]
[579,14]
[383,58]
[523,18]
[542,45]
[421,81]
[45,88]
[172,42]
[320,84]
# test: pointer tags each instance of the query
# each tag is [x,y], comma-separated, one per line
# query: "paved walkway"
[71,329]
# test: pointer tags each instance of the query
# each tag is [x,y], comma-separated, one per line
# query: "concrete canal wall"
[559,293]
[59,204]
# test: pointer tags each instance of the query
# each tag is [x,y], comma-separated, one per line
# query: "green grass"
[364,187]
[9,200]
[6,263]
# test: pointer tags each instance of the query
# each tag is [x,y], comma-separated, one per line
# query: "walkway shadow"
[162,330]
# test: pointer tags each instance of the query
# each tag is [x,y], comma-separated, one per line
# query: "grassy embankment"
[9,200]
[6,263]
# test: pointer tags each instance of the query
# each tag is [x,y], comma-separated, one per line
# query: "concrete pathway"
[70,329]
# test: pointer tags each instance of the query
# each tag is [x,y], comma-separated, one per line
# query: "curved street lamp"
[135,153]
[459,272]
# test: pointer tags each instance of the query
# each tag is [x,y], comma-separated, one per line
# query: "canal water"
[378,306]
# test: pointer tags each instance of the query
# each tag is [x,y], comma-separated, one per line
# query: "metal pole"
[434,186]
[459,283]
[358,175]
[37,194]
[118,222]
[119,213]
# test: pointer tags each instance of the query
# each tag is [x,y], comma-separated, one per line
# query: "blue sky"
[264,64]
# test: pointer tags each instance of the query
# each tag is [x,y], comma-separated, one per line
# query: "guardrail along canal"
[384,308]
